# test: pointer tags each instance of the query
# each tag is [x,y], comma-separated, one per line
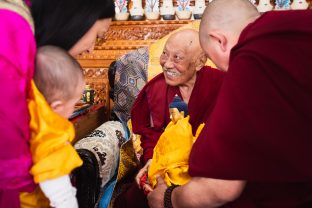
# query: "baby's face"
[175,114]
[69,105]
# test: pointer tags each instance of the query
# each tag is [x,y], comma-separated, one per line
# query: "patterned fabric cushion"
[130,77]
[104,142]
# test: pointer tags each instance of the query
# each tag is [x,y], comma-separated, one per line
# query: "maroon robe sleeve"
[204,95]
[150,113]
[141,123]
[260,129]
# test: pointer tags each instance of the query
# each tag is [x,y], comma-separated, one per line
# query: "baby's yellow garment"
[52,153]
[171,154]
[36,199]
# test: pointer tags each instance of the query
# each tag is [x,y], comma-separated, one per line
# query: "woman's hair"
[63,22]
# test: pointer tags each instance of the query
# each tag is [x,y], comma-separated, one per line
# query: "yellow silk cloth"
[36,199]
[171,154]
[52,153]
[129,155]
[136,139]
[156,49]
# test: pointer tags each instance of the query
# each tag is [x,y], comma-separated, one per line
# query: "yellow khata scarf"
[52,153]
[171,154]
[36,199]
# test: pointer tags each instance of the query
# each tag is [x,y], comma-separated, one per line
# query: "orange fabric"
[171,154]
[35,199]
[53,155]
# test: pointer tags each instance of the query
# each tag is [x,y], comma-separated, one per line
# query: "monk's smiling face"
[179,59]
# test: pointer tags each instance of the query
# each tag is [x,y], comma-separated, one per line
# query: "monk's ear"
[200,61]
[219,40]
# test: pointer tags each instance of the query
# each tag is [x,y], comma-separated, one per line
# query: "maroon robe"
[153,104]
[261,128]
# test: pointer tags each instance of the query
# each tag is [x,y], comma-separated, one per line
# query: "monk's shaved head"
[221,26]
[189,38]
[182,57]
[228,15]
[57,73]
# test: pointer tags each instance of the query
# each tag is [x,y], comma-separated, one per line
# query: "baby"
[60,80]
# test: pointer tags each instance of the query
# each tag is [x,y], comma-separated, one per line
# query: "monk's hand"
[142,172]
[156,197]
[147,188]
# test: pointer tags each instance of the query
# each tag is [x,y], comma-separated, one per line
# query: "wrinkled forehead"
[177,47]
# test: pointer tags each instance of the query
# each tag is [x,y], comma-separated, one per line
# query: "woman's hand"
[143,173]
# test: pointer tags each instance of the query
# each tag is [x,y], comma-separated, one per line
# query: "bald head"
[227,15]
[182,57]
[57,73]
[221,26]
[188,38]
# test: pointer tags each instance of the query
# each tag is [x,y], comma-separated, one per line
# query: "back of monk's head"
[221,25]
[57,74]
[228,15]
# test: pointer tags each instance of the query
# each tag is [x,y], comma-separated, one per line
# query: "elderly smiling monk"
[184,74]
[256,149]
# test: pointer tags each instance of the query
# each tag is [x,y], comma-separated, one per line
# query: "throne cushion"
[100,154]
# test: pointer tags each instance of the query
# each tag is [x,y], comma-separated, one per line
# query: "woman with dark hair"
[72,25]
